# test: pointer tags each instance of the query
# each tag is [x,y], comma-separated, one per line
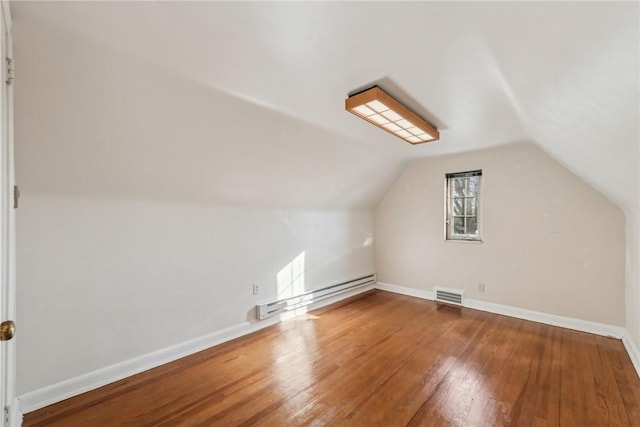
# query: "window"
[463,213]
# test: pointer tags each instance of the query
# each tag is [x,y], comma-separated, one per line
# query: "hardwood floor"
[382,360]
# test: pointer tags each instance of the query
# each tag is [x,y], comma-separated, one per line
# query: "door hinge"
[6,416]
[10,71]
[16,196]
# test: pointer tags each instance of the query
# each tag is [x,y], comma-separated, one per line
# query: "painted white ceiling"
[562,75]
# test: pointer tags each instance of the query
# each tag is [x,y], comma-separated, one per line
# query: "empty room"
[320,214]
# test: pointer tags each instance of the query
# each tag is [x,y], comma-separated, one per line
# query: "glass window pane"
[472,225]
[458,225]
[457,187]
[472,186]
[471,203]
[457,207]
[463,205]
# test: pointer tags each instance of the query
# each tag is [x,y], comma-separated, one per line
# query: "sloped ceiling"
[561,75]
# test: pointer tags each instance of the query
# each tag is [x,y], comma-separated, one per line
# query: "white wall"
[633,273]
[151,204]
[632,213]
[116,152]
[105,280]
[551,242]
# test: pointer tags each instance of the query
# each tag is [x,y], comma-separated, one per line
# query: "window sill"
[463,240]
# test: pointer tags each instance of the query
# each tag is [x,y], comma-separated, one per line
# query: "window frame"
[448,208]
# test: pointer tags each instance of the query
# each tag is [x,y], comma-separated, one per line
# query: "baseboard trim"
[412,292]
[520,313]
[632,351]
[534,316]
[54,393]
[549,319]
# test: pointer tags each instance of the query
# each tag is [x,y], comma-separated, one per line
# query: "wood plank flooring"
[382,360]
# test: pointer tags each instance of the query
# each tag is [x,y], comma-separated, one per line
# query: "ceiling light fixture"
[381,109]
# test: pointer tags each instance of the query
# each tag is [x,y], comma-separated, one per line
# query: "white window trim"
[480,215]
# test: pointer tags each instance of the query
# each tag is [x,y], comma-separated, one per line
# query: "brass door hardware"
[7,330]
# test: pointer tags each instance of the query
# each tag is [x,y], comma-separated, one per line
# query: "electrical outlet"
[480,287]
[256,289]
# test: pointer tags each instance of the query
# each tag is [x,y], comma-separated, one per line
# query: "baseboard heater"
[311,297]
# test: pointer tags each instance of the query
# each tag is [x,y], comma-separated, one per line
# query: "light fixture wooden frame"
[364,103]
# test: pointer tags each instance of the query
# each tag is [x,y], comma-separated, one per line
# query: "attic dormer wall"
[551,242]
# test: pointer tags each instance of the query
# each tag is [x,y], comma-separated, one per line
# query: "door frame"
[10,412]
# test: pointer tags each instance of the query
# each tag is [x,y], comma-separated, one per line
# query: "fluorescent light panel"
[381,109]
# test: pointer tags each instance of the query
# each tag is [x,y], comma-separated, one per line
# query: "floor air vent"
[449,296]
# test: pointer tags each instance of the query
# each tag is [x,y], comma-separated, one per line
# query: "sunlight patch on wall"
[291,278]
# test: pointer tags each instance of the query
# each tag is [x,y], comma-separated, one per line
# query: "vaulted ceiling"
[261,87]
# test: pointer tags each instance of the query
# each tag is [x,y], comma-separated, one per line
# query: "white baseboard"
[549,319]
[520,313]
[412,292]
[63,390]
[54,393]
[535,316]
[632,351]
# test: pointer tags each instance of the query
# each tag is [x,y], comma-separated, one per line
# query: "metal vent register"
[450,296]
